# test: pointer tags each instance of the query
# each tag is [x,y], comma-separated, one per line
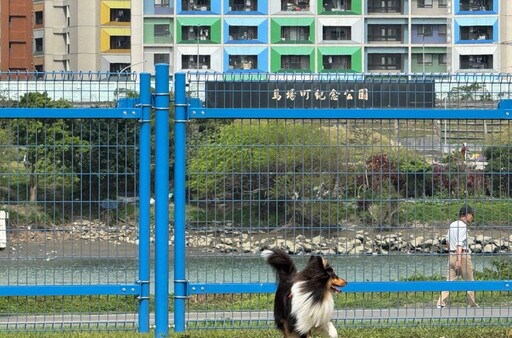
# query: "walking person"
[460,256]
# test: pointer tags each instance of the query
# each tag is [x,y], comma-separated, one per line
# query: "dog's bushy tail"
[281,262]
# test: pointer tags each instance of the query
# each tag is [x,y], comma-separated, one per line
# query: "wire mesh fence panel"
[368,172]
[70,196]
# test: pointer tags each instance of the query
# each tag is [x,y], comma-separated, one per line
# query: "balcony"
[120,15]
[476,5]
[335,33]
[120,42]
[196,34]
[389,6]
[295,62]
[295,5]
[243,33]
[295,34]
[243,62]
[475,62]
[198,62]
[196,5]
[163,7]
[428,34]
[385,34]
[337,62]
[385,63]
[476,33]
[334,6]
[243,5]
[161,34]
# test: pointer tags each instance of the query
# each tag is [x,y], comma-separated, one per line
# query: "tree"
[50,145]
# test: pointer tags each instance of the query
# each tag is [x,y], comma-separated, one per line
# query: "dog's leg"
[328,331]
[287,333]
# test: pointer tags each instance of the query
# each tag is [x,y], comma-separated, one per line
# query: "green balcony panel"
[352,54]
[292,59]
[292,30]
[188,30]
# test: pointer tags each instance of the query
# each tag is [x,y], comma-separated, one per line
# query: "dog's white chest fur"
[309,314]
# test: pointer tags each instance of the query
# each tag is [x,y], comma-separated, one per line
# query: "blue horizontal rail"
[347,113]
[75,113]
[69,290]
[420,286]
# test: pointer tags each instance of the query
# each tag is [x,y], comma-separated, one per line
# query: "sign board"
[4,216]
[320,94]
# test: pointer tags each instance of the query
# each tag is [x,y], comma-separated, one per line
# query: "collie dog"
[304,300]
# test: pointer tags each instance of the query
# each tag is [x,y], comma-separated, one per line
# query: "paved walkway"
[127,320]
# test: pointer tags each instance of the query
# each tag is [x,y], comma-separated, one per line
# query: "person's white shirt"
[458,235]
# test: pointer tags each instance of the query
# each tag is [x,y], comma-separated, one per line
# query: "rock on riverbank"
[415,239]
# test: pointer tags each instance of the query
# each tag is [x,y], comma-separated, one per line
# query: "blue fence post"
[179,202]
[162,200]
[144,195]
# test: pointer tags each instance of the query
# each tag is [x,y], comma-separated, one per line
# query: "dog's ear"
[314,258]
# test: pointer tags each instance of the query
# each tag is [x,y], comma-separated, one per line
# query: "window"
[120,15]
[117,67]
[243,33]
[294,33]
[295,5]
[425,59]
[442,3]
[337,6]
[385,62]
[38,18]
[161,30]
[333,33]
[295,62]
[162,3]
[380,6]
[195,33]
[190,62]
[384,33]
[160,58]
[243,5]
[120,42]
[425,3]
[425,30]
[195,5]
[38,46]
[163,6]
[243,62]
[476,32]
[443,59]
[476,5]
[442,30]
[337,62]
[476,61]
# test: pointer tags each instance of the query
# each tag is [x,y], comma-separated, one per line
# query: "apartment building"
[390,36]
[66,35]
[87,35]
[387,36]
[16,32]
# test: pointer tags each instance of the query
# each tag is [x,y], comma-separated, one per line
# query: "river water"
[121,266]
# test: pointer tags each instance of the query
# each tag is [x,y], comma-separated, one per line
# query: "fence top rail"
[70,113]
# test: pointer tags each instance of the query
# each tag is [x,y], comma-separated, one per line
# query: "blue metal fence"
[75,175]
[366,169]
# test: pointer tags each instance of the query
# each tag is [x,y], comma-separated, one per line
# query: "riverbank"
[96,238]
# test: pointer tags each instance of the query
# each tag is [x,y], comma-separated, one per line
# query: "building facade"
[372,36]
[16,49]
